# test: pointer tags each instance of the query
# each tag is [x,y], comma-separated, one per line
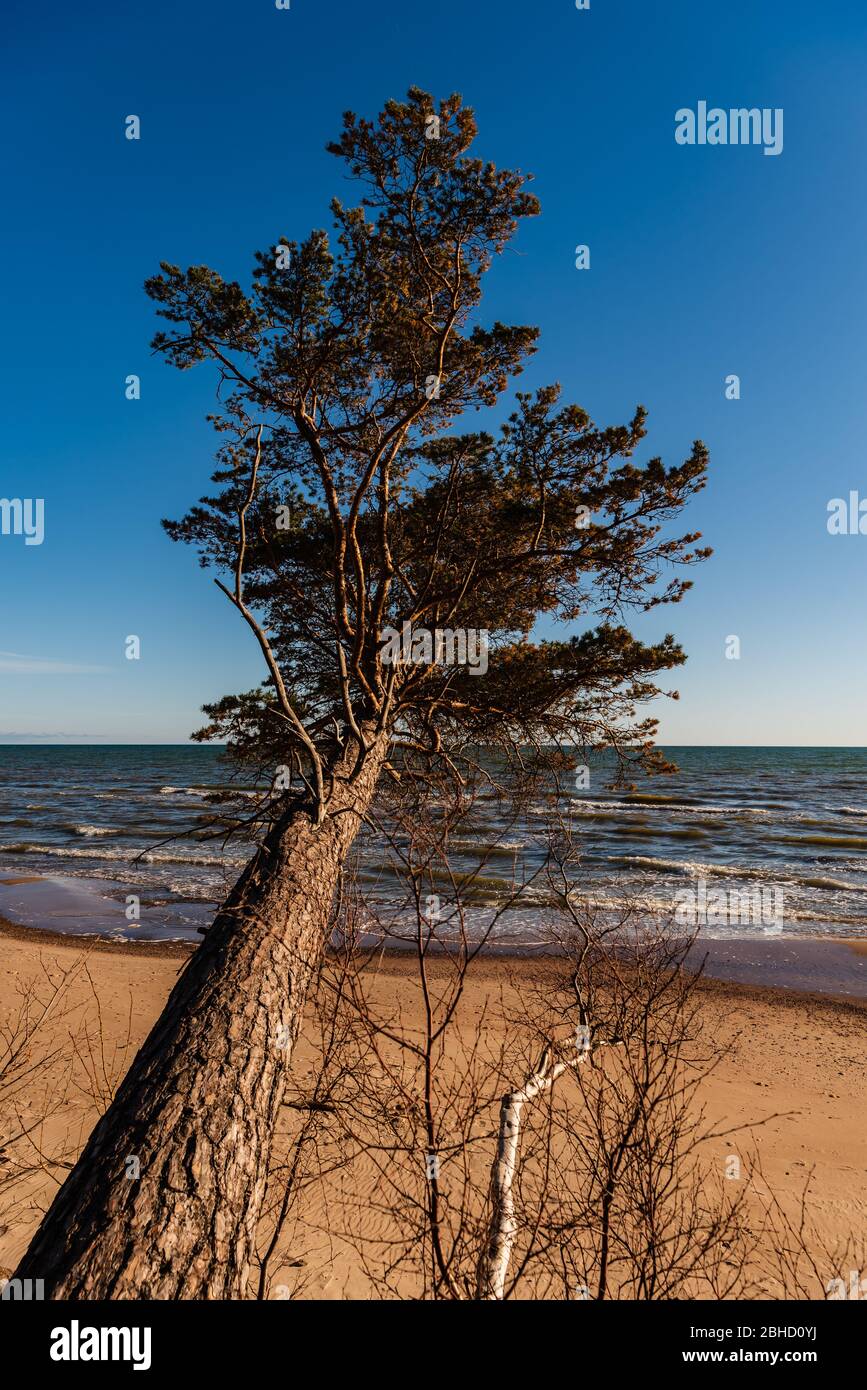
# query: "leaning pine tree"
[346,507]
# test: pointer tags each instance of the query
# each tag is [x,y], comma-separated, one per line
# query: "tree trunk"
[200,1103]
[503,1227]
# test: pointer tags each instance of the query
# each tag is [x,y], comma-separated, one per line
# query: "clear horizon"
[180,743]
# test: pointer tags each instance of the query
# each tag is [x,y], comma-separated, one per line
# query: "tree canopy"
[352,500]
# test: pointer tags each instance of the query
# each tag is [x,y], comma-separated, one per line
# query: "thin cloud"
[14,664]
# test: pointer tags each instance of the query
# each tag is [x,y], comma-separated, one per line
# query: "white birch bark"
[496,1257]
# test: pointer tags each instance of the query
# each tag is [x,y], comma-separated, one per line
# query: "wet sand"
[832,966]
[806,964]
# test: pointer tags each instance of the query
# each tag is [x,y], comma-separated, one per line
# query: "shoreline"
[61,907]
[95,941]
[717,977]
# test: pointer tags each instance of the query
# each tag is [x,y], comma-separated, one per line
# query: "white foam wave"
[675,808]
[782,874]
[149,857]
[692,868]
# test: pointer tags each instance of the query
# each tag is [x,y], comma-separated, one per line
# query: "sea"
[118,840]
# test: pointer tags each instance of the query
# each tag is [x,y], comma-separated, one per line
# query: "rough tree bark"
[199,1104]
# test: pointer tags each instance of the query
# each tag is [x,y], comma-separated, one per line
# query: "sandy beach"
[795,1056]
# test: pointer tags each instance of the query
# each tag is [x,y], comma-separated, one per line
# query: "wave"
[817,881]
[834,841]
[489,849]
[641,805]
[123,795]
[690,868]
[656,832]
[92,831]
[663,906]
[215,793]
[119,855]
[780,876]
[651,798]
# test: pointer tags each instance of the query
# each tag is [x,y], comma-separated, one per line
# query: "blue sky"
[705,261]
